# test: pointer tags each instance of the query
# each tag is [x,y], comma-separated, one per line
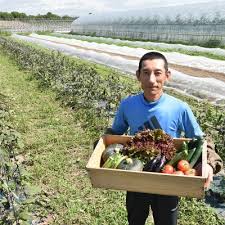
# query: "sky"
[82,7]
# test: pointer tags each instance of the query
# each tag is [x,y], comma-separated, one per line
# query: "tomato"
[178,172]
[183,165]
[190,172]
[168,169]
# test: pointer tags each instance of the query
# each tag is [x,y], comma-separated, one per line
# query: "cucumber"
[190,154]
[183,147]
[178,156]
[198,152]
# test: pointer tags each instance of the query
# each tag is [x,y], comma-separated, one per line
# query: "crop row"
[81,86]
[15,191]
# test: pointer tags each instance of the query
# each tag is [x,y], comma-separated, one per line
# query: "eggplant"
[160,164]
[111,150]
[192,143]
[157,162]
[131,164]
[150,165]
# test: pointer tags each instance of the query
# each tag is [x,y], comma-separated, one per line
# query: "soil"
[198,72]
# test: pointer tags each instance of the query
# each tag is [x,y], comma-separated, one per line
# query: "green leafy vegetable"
[149,143]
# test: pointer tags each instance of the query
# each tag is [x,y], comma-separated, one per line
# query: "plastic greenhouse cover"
[173,57]
[216,51]
[209,88]
[111,17]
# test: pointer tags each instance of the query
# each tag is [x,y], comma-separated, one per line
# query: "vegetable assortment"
[154,151]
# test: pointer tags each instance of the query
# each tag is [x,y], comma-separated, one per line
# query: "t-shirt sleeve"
[120,124]
[189,123]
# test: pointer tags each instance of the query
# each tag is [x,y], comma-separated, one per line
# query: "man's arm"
[214,159]
[214,163]
[109,130]
[119,125]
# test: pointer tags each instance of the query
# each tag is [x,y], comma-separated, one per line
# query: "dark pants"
[164,208]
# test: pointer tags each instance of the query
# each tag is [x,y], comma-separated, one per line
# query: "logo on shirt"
[151,124]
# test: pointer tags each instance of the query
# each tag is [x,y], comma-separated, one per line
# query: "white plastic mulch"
[173,57]
[215,51]
[209,88]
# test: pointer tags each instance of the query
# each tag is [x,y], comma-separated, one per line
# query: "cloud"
[72,7]
[81,7]
[142,4]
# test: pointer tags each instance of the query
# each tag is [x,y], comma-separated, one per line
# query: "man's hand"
[208,173]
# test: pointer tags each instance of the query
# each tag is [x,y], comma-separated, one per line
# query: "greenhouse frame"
[144,28]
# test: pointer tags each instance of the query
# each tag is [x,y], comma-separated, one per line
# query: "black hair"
[151,56]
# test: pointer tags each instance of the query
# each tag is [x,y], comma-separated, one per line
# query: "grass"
[180,50]
[59,150]
[5,33]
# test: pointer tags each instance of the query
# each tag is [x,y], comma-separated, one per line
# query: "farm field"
[193,75]
[58,142]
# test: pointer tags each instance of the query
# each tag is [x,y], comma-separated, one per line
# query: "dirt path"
[198,72]
[184,69]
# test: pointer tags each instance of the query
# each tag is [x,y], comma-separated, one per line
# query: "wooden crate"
[146,182]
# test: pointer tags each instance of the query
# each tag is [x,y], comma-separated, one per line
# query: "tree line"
[20,16]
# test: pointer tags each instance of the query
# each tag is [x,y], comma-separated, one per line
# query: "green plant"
[5,33]
[213,43]
[15,197]
[191,208]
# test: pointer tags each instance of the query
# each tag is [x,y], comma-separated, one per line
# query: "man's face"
[152,77]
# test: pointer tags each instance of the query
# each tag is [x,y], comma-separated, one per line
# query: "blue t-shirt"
[173,115]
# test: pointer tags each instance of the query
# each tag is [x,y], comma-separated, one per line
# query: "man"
[145,111]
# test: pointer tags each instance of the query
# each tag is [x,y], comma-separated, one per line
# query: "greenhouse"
[148,28]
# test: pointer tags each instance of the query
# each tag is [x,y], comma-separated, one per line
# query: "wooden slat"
[204,159]
[112,139]
[95,159]
[147,182]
